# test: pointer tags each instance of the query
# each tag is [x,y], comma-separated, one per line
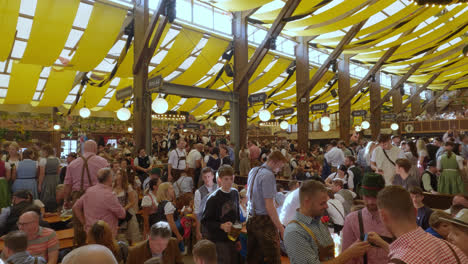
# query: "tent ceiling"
[46,43]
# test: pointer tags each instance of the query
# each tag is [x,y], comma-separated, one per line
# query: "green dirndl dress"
[450,180]
[4,187]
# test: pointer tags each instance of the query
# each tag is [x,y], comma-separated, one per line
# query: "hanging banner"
[282,112]
[359,113]
[319,107]
[191,126]
[124,93]
[389,116]
[257,98]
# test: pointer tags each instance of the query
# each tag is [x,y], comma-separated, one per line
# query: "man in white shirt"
[194,162]
[335,156]
[384,157]
[177,163]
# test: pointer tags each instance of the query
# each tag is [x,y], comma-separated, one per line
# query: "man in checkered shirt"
[413,245]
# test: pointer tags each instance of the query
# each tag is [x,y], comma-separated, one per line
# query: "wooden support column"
[397,98]
[344,88]
[376,108]
[241,60]
[142,101]
[415,103]
[302,103]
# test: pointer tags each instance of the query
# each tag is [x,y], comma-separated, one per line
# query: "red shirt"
[419,247]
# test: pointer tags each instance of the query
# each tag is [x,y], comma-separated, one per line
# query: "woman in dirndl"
[8,172]
[49,169]
[450,180]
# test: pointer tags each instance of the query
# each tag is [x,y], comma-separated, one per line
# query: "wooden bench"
[438,201]
[65,239]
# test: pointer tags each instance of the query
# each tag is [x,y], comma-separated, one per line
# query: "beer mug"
[235,231]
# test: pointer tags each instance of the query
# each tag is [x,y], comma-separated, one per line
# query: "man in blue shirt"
[16,243]
[263,224]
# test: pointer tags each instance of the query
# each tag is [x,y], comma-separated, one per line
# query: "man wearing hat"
[459,231]
[359,223]
[429,177]
[154,174]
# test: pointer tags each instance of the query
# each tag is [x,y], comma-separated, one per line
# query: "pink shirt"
[371,223]
[99,203]
[254,152]
[73,176]
[420,247]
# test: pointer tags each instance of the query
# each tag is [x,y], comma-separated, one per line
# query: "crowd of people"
[129,206]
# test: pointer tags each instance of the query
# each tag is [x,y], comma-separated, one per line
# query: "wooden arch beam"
[262,50]
[439,94]
[332,57]
[418,91]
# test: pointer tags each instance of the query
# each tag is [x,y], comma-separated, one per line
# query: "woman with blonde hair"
[423,155]
[101,234]
[166,209]
[128,198]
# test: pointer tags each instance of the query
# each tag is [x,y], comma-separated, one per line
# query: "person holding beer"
[221,217]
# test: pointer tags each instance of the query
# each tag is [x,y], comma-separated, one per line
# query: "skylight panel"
[40,85]
[82,15]
[18,49]
[70,99]
[3,93]
[28,7]
[4,80]
[172,76]
[36,96]
[73,38]
[375,19]
[394,8]
[270,6]
[117,48]
[159,57]
[45,72]
[171,34]
[187,63]
[103,102]
[105,66]
[23,27]
[115,82]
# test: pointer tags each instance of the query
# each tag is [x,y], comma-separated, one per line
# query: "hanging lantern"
[284,125]
[159,105]
[325,121]
[130,129]
[358,128]
[56,127]
[228,132]
[85,112]
[220,120]
[326,128]
[365,125]
[394,126]
[264,115]
[123,114]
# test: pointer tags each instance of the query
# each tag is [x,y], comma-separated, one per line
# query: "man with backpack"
[354,172]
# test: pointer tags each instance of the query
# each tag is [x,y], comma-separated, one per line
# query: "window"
[203,15]
[184,10]
[68,146]
[112,142]
[222,22]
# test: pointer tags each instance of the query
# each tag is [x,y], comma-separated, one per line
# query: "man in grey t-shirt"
[263,224]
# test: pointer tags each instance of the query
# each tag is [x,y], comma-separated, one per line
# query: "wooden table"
[53,219]
[65,239]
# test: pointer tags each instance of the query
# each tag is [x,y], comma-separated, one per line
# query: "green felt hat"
[372,183]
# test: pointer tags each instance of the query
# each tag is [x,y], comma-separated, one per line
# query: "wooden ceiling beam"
[332,57]
[377,66]
[419,91]
[434,99]
[262,50]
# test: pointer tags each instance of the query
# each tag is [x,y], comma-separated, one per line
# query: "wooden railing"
[435,126]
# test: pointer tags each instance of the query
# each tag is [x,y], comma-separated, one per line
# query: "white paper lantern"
[264,115]
[358,128]
[394,126]
[130,129]
[85,112]
[56,127]
[284,125]
[325,121]
[123,114]
[365,125]
[326,128]
[220,121]
[159,105]
[228,132]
